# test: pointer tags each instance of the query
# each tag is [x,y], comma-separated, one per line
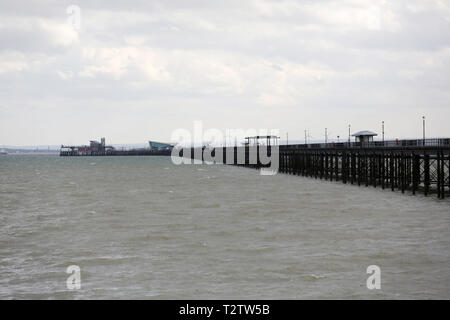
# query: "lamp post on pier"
[423,129]
[349,134]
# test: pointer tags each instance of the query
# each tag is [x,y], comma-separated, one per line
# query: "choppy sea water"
[143,228]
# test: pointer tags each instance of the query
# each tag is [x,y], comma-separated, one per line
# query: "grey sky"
[137,70]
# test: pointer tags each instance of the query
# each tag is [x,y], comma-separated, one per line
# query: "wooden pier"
[407,165]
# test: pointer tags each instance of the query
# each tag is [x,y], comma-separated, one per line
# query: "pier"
[97,149]
[413,166]
[131,152]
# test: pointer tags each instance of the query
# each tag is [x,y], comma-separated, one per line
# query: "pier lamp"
[423,128]
[349,134]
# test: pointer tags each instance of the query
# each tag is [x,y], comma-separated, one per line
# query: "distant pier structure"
[155,145]
[421,165]
[96,148]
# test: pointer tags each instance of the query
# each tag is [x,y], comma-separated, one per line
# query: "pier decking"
[406,165]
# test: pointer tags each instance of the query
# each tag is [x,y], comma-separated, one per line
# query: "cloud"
[254,63]
[31,34]
[12,62]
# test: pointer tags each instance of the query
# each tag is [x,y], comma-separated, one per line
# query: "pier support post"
[426,169]
[415,172]
[391,171]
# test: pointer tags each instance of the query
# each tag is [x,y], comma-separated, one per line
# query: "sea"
[145,228]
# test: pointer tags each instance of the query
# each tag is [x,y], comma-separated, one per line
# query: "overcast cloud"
[137,70]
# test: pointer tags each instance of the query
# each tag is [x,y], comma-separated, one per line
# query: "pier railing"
[411,143]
